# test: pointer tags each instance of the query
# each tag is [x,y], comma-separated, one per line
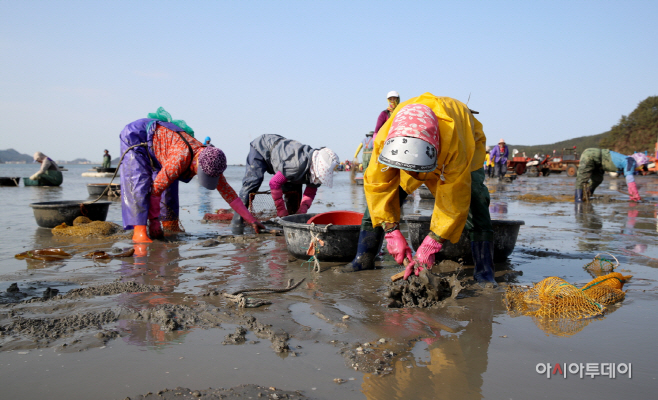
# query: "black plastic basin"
[505,235]
[96,189]
[49,214]
[340,241]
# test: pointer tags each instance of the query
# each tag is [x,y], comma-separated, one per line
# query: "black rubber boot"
[578,197]
[370,242]
[237,224]
[484,266]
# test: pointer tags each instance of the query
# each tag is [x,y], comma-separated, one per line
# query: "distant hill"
[581,143]
[637,132]
[13,155]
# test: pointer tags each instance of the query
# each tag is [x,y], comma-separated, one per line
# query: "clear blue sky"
[73,73]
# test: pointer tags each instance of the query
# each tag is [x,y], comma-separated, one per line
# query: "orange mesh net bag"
[170,222]
[607,289]
[562,309]
[84,227]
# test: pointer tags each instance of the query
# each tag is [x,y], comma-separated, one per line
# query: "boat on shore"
[10,181]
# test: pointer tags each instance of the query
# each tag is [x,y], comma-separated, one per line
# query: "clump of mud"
[541,198]
[171,317]
[54,328]
[238,337]
[249,391]
[371,358]
[422,291]
[102,290]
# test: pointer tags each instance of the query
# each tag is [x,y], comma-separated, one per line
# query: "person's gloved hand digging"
[36,176]
[238,206]
[633,192]
[155,228]
[277,195]
[397,246]
[307,199]
[276,183]
[425,257]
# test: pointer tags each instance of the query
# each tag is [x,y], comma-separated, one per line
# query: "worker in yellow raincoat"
[438,142]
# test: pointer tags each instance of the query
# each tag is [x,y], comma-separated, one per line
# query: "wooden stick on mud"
[400,274]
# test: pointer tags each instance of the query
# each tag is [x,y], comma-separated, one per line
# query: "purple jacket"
[383,117]
[497,157]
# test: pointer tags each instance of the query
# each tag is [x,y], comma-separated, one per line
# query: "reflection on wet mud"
[452,365]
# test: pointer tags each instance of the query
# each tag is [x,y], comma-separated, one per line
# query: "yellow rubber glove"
[358,149]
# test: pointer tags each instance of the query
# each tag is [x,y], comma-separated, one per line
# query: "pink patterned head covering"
[323,162]
[418,121]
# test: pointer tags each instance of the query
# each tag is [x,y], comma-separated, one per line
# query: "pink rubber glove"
[240,208]
[397,246]
[307,199]
[276,184]
[425,257]
[632,191]
[277,195]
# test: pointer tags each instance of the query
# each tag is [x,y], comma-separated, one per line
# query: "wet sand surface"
[139,326]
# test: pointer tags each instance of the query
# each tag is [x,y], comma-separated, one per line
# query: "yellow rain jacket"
[462,150]
[489,161]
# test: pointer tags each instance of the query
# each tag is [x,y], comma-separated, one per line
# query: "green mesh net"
[162,115]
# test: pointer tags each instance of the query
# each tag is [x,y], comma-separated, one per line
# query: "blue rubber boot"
[370,242]
[484,266]
[578,197]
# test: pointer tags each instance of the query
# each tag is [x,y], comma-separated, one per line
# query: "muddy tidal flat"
[158,325]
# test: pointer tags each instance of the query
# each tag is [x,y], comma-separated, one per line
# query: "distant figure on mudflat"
[49,173]
[107,159]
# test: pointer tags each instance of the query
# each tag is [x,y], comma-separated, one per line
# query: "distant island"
[11,156]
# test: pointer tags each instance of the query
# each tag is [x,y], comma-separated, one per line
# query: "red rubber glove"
[155,229]
[154,207]
[632,191]
[397,246]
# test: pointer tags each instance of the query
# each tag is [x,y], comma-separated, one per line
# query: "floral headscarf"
[392,104]
[323,162]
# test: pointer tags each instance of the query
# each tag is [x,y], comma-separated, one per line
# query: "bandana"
[418,121]
[640,159]
[323,162]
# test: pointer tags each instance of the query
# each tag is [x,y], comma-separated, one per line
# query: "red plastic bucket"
[337,218]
